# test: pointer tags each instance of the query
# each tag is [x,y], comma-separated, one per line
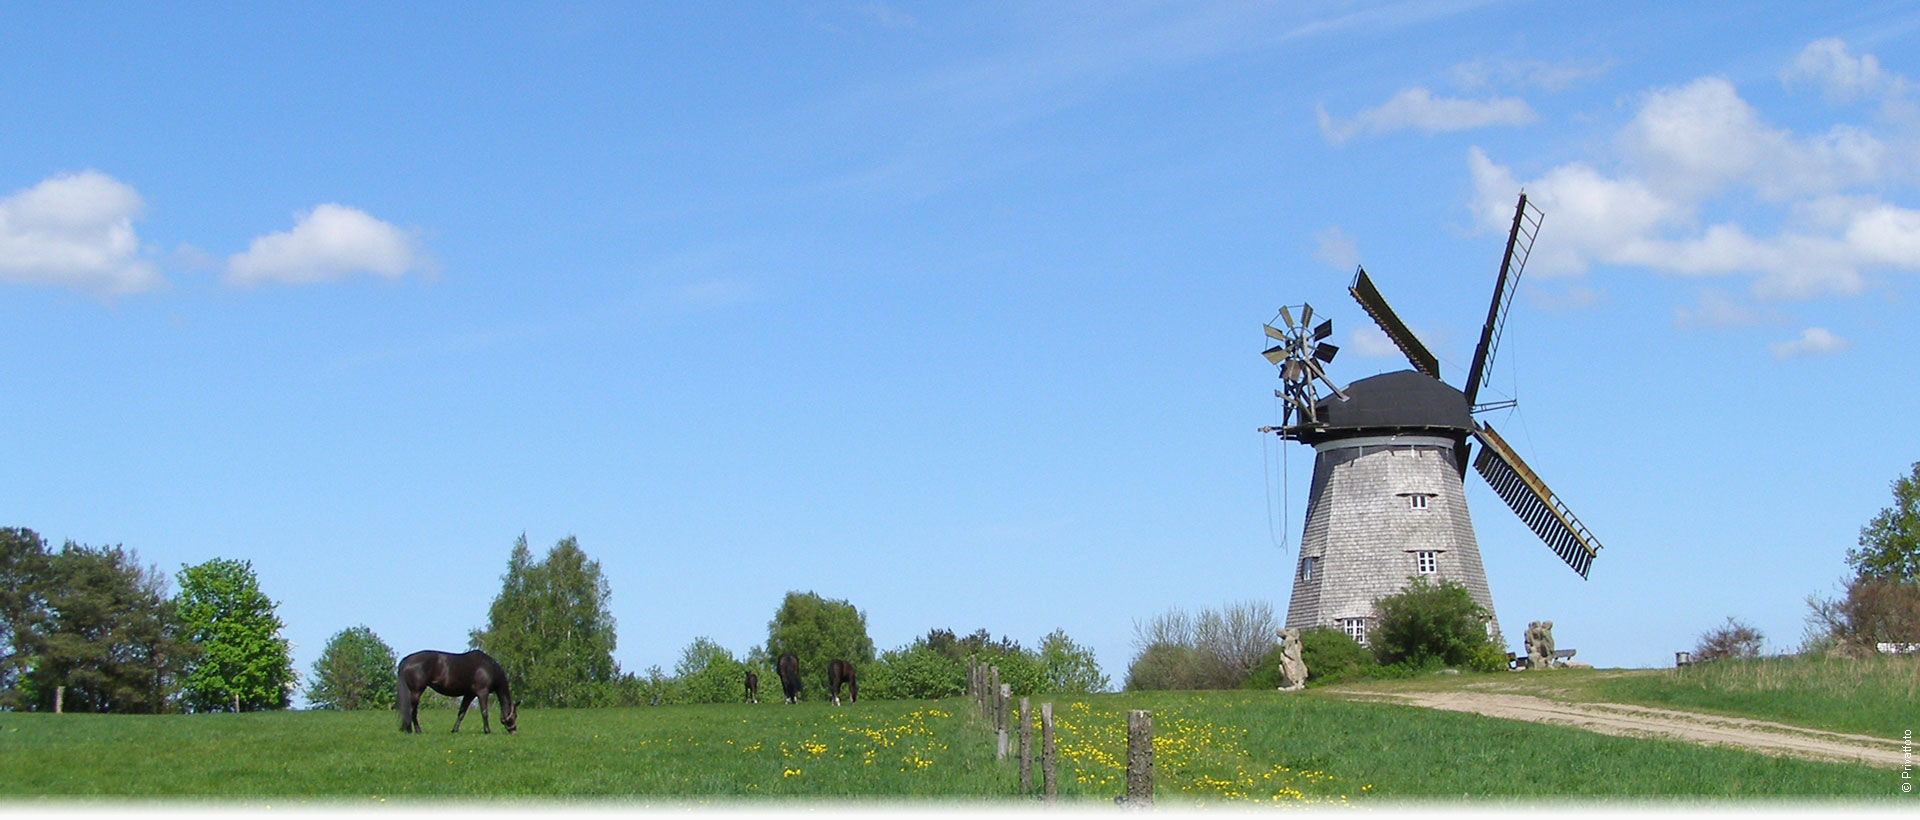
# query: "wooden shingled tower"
[1387,501]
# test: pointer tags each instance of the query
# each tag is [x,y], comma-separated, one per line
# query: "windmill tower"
[1387,501]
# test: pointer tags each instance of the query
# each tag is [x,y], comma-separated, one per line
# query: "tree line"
[91,629]
[552,629]
[100,632]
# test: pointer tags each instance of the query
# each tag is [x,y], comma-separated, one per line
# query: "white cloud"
[1336,248]
[1842,77]
[1598,219]
[1594,217]
[1697,139]
[1813,218]
[1417,109]
[1814,341]
[330,242]
[75,231]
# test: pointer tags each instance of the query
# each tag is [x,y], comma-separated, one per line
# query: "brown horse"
[467,675]
[840,672]
[789,669]
[753,687]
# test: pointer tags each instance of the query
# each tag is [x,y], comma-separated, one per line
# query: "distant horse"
[468,675]
[753,688]
[789,669]
[839,672]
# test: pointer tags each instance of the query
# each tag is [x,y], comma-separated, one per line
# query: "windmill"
[1391,452]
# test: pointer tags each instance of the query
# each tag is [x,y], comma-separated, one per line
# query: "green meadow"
[1210,748]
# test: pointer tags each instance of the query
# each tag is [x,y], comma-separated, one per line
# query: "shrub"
[1874,611]
[1238,636]
[1733,640]
[1425,623]
[916,671]
[1019,667]
[1164,666]
[1330,653]
[1488,658]
[1213,650]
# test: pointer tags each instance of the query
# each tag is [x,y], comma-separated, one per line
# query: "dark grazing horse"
[839,672]
[753,687]
[467,675]
[789,669]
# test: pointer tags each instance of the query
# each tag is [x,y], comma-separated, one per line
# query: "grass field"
[1878,696]
[1210,748]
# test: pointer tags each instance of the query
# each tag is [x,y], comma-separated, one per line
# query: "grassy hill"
[1211,747]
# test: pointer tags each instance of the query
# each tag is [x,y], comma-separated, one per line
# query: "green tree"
[1426,623]
[244,663]
[102,627]
[355,671]
[1068,667]
[708,673]
[551,626]
[1890,543]
[817,630]
[23,569]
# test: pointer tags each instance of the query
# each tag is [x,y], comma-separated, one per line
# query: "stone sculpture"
[1293,668]
[1539,644]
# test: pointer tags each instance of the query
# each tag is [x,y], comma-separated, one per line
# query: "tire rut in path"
[1645,721]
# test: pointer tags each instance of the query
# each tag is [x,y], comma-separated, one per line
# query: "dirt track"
[1644,721]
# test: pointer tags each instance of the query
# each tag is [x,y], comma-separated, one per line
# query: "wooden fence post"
[1026,747]
[1139,758]
[1049,784]
[993,691]
[1001,701]
[59,698]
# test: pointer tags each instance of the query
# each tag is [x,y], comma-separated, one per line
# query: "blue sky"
[948,310]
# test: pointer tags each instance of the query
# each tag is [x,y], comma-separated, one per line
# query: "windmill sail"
[1376,306]
[1536,505]
[1519,246]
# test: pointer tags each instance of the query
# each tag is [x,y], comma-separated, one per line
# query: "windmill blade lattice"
[1536,505]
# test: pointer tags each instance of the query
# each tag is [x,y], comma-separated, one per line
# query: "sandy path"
[1645,721]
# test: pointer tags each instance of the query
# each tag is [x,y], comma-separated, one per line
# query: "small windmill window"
[1308,567]
[1427,561]
[1417,501]
[1356,628]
